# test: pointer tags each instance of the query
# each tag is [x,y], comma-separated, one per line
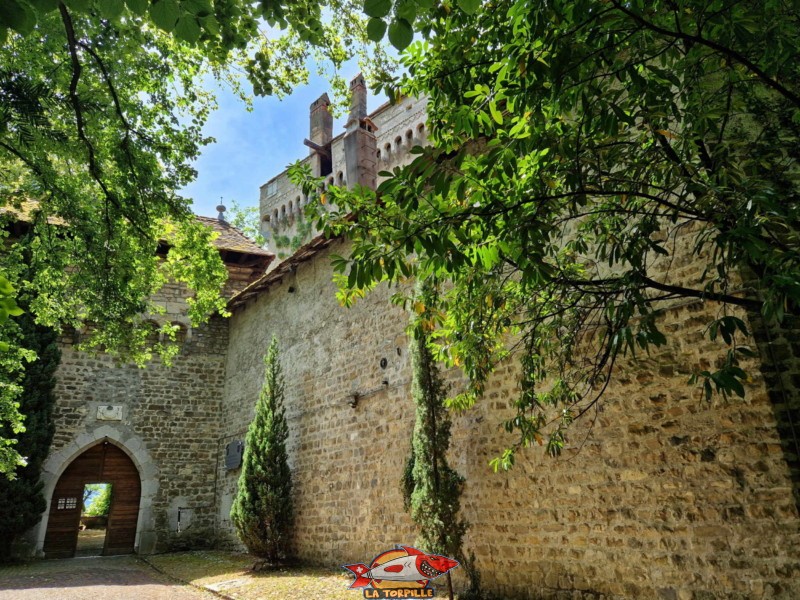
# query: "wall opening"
[107,464]
[94,519]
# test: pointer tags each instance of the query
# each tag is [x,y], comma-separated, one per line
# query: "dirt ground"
[94,578]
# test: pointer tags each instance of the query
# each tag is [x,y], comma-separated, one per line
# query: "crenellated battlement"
[371,143]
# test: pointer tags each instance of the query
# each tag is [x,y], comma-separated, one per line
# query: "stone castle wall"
[165,418]
[662,494]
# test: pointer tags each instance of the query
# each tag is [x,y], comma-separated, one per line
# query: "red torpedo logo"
[402,568]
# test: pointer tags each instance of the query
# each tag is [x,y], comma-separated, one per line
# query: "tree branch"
[702,294]
[725,51]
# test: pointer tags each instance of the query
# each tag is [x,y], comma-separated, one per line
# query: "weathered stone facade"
[165,418]
[661,494]
[169,424]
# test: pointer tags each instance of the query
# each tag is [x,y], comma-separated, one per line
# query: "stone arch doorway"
[102,463]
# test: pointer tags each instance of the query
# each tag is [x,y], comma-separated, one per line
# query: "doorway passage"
[95,505]
[94,519]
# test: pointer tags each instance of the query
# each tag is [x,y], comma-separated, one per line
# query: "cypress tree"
[262,511]
[22,497]
[431,489]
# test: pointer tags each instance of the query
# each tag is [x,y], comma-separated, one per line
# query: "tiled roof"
[301,255]
[232,239]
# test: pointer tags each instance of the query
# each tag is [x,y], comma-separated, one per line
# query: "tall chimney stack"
[358,100]
[359,139]
[321,121]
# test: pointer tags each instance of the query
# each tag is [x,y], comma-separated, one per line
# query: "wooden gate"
[103,463]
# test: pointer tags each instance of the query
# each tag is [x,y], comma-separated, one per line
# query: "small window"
[330,181]
[388,149]
[421,129]
[340,177]
[275,216]
[398,141]
[272,188]
[378,154]
[409,136]
[67,503]
[283,211]
[291,207]
[297,204]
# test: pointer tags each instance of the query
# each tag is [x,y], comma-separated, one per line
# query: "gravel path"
[96,578]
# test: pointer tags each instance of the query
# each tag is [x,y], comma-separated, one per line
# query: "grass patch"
[229,573]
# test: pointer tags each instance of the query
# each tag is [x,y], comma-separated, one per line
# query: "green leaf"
[376,29]
[79,5]
[400,34]
[17,16]
[377,8]
[165,14]
[6,288]
[187,29]
[44,5]
[198,8]
[406,9]
[211,25]
[469,6]
[138,7]
[496,114]
[111,9]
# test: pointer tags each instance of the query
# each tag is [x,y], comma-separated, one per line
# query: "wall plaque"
[109,413]
[233,455]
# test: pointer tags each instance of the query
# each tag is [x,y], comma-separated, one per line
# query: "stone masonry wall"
[660,494]
[166,418]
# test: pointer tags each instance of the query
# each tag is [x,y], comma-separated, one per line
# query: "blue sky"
[252,147]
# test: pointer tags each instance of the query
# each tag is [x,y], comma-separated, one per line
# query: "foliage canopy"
[99,499]
[36,383]
[583,152]
[102,104]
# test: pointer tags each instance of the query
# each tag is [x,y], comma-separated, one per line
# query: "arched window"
[398,141]
[421,129]
[378,154]
[180,333]
[275,217]
[153,332]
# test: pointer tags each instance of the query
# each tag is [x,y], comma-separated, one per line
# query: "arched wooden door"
[103,463]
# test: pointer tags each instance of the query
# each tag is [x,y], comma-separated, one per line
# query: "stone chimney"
[321,121]
[358,99]
[360,148]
